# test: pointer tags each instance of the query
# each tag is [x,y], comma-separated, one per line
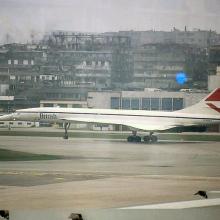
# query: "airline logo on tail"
[214,97]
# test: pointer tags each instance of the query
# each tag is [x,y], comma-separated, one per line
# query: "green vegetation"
[190,137]
[9,155]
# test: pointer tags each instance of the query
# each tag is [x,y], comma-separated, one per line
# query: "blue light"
[181,78]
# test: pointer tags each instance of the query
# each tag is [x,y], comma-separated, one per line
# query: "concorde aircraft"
[206,112]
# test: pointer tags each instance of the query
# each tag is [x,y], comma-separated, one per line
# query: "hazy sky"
[20,18]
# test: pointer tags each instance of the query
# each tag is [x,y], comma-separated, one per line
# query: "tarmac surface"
[106,173]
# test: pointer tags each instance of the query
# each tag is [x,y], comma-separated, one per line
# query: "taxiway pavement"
[106,173]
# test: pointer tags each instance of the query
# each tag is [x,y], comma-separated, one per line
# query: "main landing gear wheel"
[153,139]
[66,127]
[146,139]
[133,138]
[150,138]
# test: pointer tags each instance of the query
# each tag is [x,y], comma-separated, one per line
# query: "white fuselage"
[140,119]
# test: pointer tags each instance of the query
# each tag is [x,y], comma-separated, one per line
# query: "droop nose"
[6,117]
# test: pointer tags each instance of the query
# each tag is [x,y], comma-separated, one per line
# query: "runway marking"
[59,178]
[37,174]
[177,177]
[11,173]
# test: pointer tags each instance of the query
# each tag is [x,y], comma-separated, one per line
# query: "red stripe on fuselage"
[214,96]
[213,107]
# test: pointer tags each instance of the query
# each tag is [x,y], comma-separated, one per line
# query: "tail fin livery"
[210,105]
[214,96]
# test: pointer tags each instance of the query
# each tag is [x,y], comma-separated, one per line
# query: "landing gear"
[150,138]
[134,137]
[147,139]
[154,139]
[66,127]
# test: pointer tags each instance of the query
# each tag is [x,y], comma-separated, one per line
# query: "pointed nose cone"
[6,117]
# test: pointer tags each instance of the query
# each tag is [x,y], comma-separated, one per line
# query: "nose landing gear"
[66,127]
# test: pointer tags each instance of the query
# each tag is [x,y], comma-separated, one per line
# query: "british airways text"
[49,116]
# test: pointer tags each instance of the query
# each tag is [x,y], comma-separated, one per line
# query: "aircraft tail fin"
[210,105]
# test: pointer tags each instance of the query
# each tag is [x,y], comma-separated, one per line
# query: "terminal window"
[63,105]
[115,103]
[48,104]
[135,104]
[177,103]
[76,105]
[167,104]
[126,104]
[155,103]
[146,103]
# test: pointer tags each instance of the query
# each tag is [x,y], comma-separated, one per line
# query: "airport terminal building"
[148,99]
